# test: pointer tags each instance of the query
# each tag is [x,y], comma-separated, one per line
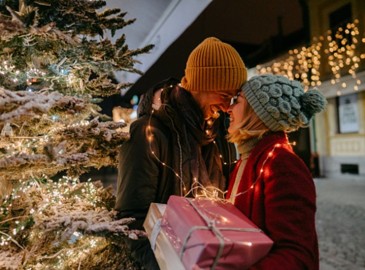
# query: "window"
[340,17]
[350,168]
[338,20]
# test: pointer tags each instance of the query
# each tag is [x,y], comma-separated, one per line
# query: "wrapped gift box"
[165,253]
[212,234]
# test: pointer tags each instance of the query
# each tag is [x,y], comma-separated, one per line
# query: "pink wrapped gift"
[212,234]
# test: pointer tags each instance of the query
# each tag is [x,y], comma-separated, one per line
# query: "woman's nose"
[229,110]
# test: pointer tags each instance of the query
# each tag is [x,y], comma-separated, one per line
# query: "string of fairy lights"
[339,50]
[197,189]
[261,171]
[32,75]
[25,144]
[50,195]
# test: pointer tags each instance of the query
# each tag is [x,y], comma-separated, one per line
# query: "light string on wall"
[341,52]
[302,64]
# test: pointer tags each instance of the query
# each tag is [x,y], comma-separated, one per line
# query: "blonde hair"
[250,127]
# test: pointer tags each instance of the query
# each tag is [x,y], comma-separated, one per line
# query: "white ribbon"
[155,231]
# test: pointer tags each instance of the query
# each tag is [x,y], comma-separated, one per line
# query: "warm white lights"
[339,50]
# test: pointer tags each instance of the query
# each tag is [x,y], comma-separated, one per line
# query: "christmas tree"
[55,67]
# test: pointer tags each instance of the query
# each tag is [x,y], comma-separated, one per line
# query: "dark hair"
[177,105]
[145,104]
[180,100]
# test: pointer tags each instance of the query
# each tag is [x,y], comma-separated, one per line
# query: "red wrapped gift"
[213,234]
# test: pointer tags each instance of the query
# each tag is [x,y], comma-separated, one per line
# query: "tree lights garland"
[341,49]
[52,74]
[83,144]
[53,71]
[42,46]
[60,225]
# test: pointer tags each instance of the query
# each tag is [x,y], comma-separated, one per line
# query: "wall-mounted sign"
[348,114]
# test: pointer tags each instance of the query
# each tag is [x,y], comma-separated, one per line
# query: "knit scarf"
[245,147]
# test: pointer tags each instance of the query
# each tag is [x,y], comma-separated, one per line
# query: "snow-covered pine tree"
[55,66]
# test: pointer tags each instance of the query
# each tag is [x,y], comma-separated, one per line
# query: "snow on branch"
[50,221]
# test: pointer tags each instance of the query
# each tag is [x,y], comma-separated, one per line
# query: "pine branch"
[36,113]
[90,145]
[62,223]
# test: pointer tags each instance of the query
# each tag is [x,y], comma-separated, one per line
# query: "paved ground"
[341,224]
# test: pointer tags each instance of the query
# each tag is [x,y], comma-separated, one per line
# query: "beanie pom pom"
[313,102]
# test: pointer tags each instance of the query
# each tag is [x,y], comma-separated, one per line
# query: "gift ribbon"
[211,227]
[155,232]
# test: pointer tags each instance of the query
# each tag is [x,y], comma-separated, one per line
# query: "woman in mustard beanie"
[270,184]
[178,142]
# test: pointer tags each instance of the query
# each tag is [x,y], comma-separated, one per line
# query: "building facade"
[338,134]
[334,62]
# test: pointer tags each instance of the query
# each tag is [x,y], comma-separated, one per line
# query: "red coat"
[282,203]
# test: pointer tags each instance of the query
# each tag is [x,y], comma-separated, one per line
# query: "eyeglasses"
[234,99]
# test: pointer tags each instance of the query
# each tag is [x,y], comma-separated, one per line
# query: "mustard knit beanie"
[214,66]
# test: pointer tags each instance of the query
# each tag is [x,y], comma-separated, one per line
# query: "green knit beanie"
[282,104]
